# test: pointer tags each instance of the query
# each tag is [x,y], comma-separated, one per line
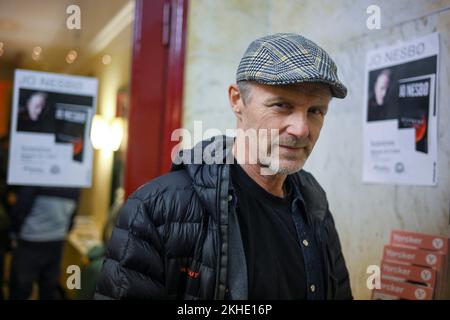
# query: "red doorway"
[159,44]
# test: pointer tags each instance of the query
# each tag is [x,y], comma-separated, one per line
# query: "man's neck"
[271,183]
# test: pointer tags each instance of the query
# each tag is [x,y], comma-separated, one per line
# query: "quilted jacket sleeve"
[134,264]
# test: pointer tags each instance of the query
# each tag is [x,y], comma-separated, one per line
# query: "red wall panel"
[156,89]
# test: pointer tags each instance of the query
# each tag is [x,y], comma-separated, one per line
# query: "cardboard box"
[404,290]
[391,270]
[439,244]
[414,266]
[419,240]
[414,256]
[377,295]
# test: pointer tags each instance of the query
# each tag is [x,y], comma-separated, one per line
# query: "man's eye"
[316,111]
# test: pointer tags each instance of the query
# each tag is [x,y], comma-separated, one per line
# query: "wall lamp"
[107,134]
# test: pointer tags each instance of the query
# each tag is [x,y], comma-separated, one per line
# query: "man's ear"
[236,100]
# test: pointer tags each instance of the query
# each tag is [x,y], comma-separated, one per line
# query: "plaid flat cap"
[288,58]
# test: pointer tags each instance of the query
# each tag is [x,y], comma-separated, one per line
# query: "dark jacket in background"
[177,237]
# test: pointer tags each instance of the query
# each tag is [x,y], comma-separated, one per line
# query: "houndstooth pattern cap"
[288,58]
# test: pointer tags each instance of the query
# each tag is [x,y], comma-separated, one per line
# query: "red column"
[175,78]
[156,88]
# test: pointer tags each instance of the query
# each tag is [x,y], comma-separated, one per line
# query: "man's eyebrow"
[276,99]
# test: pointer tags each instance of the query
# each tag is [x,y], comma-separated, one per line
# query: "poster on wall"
[50,126]
[400,113]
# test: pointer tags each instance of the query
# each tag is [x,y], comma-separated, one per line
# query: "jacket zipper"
[220,292]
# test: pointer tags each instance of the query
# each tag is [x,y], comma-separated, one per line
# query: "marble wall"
[220,31]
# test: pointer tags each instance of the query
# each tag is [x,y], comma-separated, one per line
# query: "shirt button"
[305,243]
[230,197]
[313,288]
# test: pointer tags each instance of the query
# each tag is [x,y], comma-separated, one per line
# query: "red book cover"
[405,290]
[412,273]
[413,256]
[419,240]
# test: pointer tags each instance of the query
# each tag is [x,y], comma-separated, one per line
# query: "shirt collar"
[298,198]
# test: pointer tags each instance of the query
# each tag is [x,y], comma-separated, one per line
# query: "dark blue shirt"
[310,248]
[283,260]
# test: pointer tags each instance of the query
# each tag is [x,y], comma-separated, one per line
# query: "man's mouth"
[292,147]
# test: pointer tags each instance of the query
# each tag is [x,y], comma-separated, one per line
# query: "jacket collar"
[203,164]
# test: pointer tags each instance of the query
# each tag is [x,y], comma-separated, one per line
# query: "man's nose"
[298,125]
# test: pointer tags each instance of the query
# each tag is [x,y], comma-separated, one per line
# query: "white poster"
[50,126]
[400,113]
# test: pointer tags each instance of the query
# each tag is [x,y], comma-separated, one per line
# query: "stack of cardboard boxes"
[414,267]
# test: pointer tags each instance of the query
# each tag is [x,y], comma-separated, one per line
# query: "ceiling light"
[106,59]
[36,54]
[37,50]
[71,56]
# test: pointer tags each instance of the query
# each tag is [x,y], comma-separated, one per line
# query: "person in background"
[4,218]
[4,225]
[40,221]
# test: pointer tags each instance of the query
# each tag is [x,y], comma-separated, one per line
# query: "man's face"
[296,111]
[381,87]
[35,105]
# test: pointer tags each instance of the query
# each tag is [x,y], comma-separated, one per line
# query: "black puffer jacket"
[177,236]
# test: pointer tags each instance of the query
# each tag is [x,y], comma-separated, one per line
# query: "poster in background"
[50,126]
[400,113]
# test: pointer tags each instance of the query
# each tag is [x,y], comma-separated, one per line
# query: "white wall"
[220,31]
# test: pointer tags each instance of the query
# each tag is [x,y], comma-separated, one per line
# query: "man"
[258,228]
[378,108]
[35,116]
[40,221]
[4,219]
